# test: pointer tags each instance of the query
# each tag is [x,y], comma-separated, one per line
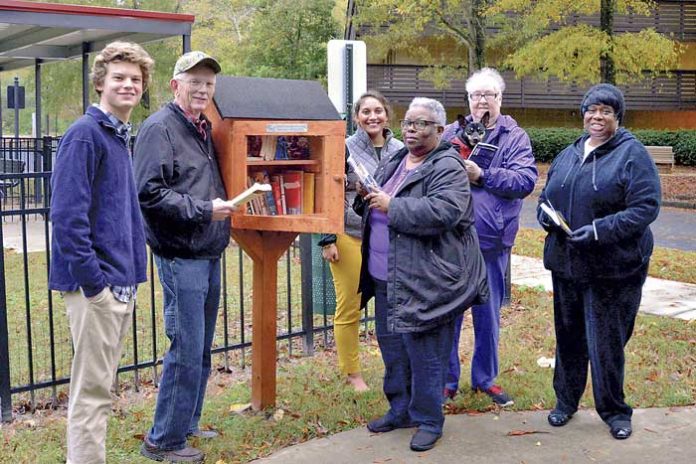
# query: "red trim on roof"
[55,8]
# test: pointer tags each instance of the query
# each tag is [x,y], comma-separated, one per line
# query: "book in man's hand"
[556,217]
[249,194]
[366,179]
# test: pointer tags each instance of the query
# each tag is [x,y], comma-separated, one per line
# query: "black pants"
[594,321]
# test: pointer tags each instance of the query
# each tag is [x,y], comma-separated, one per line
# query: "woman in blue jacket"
[607,188]
[422,263]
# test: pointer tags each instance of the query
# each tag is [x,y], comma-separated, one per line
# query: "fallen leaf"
[278,415]
[240,407]
[517,433]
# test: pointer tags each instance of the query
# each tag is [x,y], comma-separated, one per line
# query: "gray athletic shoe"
[188,454]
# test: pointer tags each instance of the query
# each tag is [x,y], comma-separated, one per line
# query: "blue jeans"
[415,366]
[191,298]
[484,363]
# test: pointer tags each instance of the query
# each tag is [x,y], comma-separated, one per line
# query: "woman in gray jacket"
[372,142]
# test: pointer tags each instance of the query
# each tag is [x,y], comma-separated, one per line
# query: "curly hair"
[127,52]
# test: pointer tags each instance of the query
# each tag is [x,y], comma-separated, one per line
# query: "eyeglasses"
[418,124]
[196,84]
[476,96]
[591,111]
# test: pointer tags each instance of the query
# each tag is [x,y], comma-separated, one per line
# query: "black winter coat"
[435,268]
[618,189]
[177,178]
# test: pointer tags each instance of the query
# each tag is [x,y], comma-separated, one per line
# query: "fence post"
[5,395]
[307,293]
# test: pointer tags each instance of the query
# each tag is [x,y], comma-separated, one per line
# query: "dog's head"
[475,132]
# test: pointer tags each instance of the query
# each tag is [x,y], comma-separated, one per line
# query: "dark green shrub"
[549,142]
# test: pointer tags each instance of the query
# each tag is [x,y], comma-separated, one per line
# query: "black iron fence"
[35,343]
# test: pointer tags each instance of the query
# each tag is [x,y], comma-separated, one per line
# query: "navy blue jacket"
[617,189]
[178,177]
[435,268]
[98,237]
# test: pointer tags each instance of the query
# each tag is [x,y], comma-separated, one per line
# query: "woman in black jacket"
[421,262]
[607,188]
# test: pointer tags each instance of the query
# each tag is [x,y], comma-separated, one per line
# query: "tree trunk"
[477,57]
[608,73]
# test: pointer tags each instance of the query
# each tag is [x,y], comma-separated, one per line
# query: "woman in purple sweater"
[421,262]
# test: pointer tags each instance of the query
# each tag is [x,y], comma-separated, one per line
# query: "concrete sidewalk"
[660,297]
[659,436]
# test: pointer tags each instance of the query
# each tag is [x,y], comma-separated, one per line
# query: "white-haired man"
[188,228]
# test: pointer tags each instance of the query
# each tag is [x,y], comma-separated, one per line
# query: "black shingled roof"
[264,98]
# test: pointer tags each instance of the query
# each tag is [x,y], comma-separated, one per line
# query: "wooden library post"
[247,111]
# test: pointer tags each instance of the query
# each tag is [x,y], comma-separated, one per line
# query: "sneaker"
[499,396]
[188,454]
[204,434]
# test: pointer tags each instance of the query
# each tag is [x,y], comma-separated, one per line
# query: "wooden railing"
[400,83]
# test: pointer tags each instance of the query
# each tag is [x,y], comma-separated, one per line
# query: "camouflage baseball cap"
[191,59]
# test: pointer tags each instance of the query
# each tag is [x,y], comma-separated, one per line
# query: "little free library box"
[286,133]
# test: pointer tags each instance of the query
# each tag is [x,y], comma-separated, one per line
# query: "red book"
[292,181]
[275,185]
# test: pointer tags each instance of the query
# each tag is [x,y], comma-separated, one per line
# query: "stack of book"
[272,147]
[292,192]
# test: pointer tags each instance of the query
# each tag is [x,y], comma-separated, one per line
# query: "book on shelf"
[366,179]
[275,186]
[298,147]
[289,192]
[292,183]
[269,206]
[556,217]
[308,192]
[250,194]
[277,147]
[483,154]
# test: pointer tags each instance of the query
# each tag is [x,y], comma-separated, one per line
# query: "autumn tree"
[548,44]
[406,25]
[287,39]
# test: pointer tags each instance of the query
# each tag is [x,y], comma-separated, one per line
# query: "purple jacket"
[510,177]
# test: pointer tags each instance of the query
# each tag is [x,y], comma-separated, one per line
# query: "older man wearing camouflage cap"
[187,226]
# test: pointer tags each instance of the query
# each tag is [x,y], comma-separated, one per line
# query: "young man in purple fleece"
[98,241]
[497,187]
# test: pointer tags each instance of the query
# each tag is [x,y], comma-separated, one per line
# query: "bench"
[663,157]
[10,166]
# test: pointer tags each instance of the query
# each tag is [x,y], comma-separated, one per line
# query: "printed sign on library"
[286,128]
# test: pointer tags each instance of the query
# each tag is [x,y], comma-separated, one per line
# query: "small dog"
[471,135]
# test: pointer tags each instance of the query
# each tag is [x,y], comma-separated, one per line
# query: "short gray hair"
[432,105]
[483,78]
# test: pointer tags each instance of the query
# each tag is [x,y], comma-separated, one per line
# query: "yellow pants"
[346,276]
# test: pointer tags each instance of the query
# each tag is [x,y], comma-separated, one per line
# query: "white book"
[250,193]
[556,218]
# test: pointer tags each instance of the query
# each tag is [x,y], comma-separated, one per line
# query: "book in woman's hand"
[556,217]
[366,179]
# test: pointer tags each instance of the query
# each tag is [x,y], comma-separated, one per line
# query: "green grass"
[316,402]
[36,293]
[665,263]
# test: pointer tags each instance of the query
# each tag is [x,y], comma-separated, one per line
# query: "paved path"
[660,297]
[674,227]
[660,436]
